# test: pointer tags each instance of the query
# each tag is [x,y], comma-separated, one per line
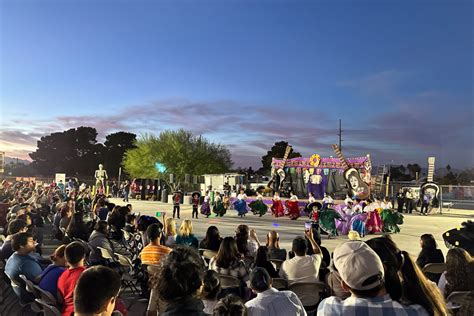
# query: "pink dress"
[374,223]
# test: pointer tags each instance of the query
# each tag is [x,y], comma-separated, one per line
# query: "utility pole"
[340,135]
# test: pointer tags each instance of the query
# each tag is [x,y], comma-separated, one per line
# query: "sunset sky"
[245,73]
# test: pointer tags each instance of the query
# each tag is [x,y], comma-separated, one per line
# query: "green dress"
[327,217]
[391,220]
[258,207]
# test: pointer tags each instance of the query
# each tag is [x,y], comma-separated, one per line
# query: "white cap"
[358,265]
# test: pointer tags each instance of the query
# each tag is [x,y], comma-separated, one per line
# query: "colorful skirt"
[327,221]
[391,220]
[205,208]
[293,209]
[258,207]
[358,223]
[219,209]
[277,208]
[241,207]
[374,223]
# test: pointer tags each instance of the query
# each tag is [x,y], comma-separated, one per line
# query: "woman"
[429,254]
[404,281]
[77,228]
[240,204]
[170,232]
[391,218]
[219,207]
[99,238]
[247,241]
[185,236]
[459,274]
[293,207]
[358,220]
[49,277]
[206,207]
[343,224]
[277,206]
[228,260]
[327,221]
[213,240]
[262,260]
[258,207]
[374,223]
[66,215]
[211,288]
[308,209]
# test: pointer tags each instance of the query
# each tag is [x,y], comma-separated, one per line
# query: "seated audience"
[429,254]
[247,242]
[15,226]
[270,301]
[262,260]
[404,281]
[50,275]
[459,274]
[231,305]
[362,273]
[213,240]
[21,262]
[210,291]
[185,236]
[99,238]
[96,292]
[324,251]
[302,268]
[77,228]
[273,245]
[75,254]
[179,282]
[101,210]
[228,260]
[154,251]
[131,223]
[66,214]
[170,232]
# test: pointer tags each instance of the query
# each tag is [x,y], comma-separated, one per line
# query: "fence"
[457,196]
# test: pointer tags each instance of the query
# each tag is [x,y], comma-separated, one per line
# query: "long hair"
[186,228]
[242,238]
[262,258]
[227,253]
[428,242]
[170,224]
[212,239]
[404,279]
[459,271]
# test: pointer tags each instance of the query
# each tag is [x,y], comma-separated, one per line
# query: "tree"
[277,151]
[74,151]
[180,152]
[116,145]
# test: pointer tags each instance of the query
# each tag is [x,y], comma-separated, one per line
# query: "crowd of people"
[180,273]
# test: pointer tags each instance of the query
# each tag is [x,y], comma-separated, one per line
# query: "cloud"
[379,83]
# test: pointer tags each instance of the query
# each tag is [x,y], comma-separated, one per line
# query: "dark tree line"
[77,152]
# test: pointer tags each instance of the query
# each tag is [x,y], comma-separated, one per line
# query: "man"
[15,226]
[425,202]
[362,274]
[400,201]
[154,251]
[409,201]
[176,202]
[302,268]
[273,245]
[75,254]
[21,262]
[96,292]
[126,191]
[270,301]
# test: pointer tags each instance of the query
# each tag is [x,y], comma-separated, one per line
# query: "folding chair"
[228,281]
[308,293]
[46,296]
[48,310]
[280,284]
[456,299]
[435,268]
[30,286]
[277,263]
[127,270]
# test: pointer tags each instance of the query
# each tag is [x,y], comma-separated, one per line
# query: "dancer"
[308,208]
[391,218]
[241,204]
[358,220]
[277,206]
[219,207]
[293,207]
[327,221]
[195,200]
[176,201]
[343,224]
[258,207]
[327,200]
[314,210]
[206,207]
[374,223]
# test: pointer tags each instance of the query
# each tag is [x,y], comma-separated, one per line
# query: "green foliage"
[180,151]
[277,151]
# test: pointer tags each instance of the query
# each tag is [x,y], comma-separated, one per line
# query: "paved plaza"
[414,225]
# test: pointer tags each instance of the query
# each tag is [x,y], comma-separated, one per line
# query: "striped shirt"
[152,254]
[275,303]
[236,269]
[358,306]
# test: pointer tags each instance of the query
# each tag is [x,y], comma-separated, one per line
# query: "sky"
[246,74]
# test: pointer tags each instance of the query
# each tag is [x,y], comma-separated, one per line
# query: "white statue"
[100,179]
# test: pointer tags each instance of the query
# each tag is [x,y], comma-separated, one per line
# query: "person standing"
[425,202]
[195,200]
[400,200]
[126,191]
[409,201]
[176,202]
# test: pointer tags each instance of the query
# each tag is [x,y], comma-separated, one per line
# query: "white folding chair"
[280,284]
[308,293]
[127,270]
[48,310]
[435,268]
[228,281]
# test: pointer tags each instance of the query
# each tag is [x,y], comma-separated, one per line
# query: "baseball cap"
[358,265]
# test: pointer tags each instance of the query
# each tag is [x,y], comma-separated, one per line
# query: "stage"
[408,239]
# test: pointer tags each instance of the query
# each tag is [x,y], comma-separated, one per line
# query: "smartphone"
[159,214]
[307,225]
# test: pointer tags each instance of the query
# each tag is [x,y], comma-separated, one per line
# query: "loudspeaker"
[187,178]
[172,178]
